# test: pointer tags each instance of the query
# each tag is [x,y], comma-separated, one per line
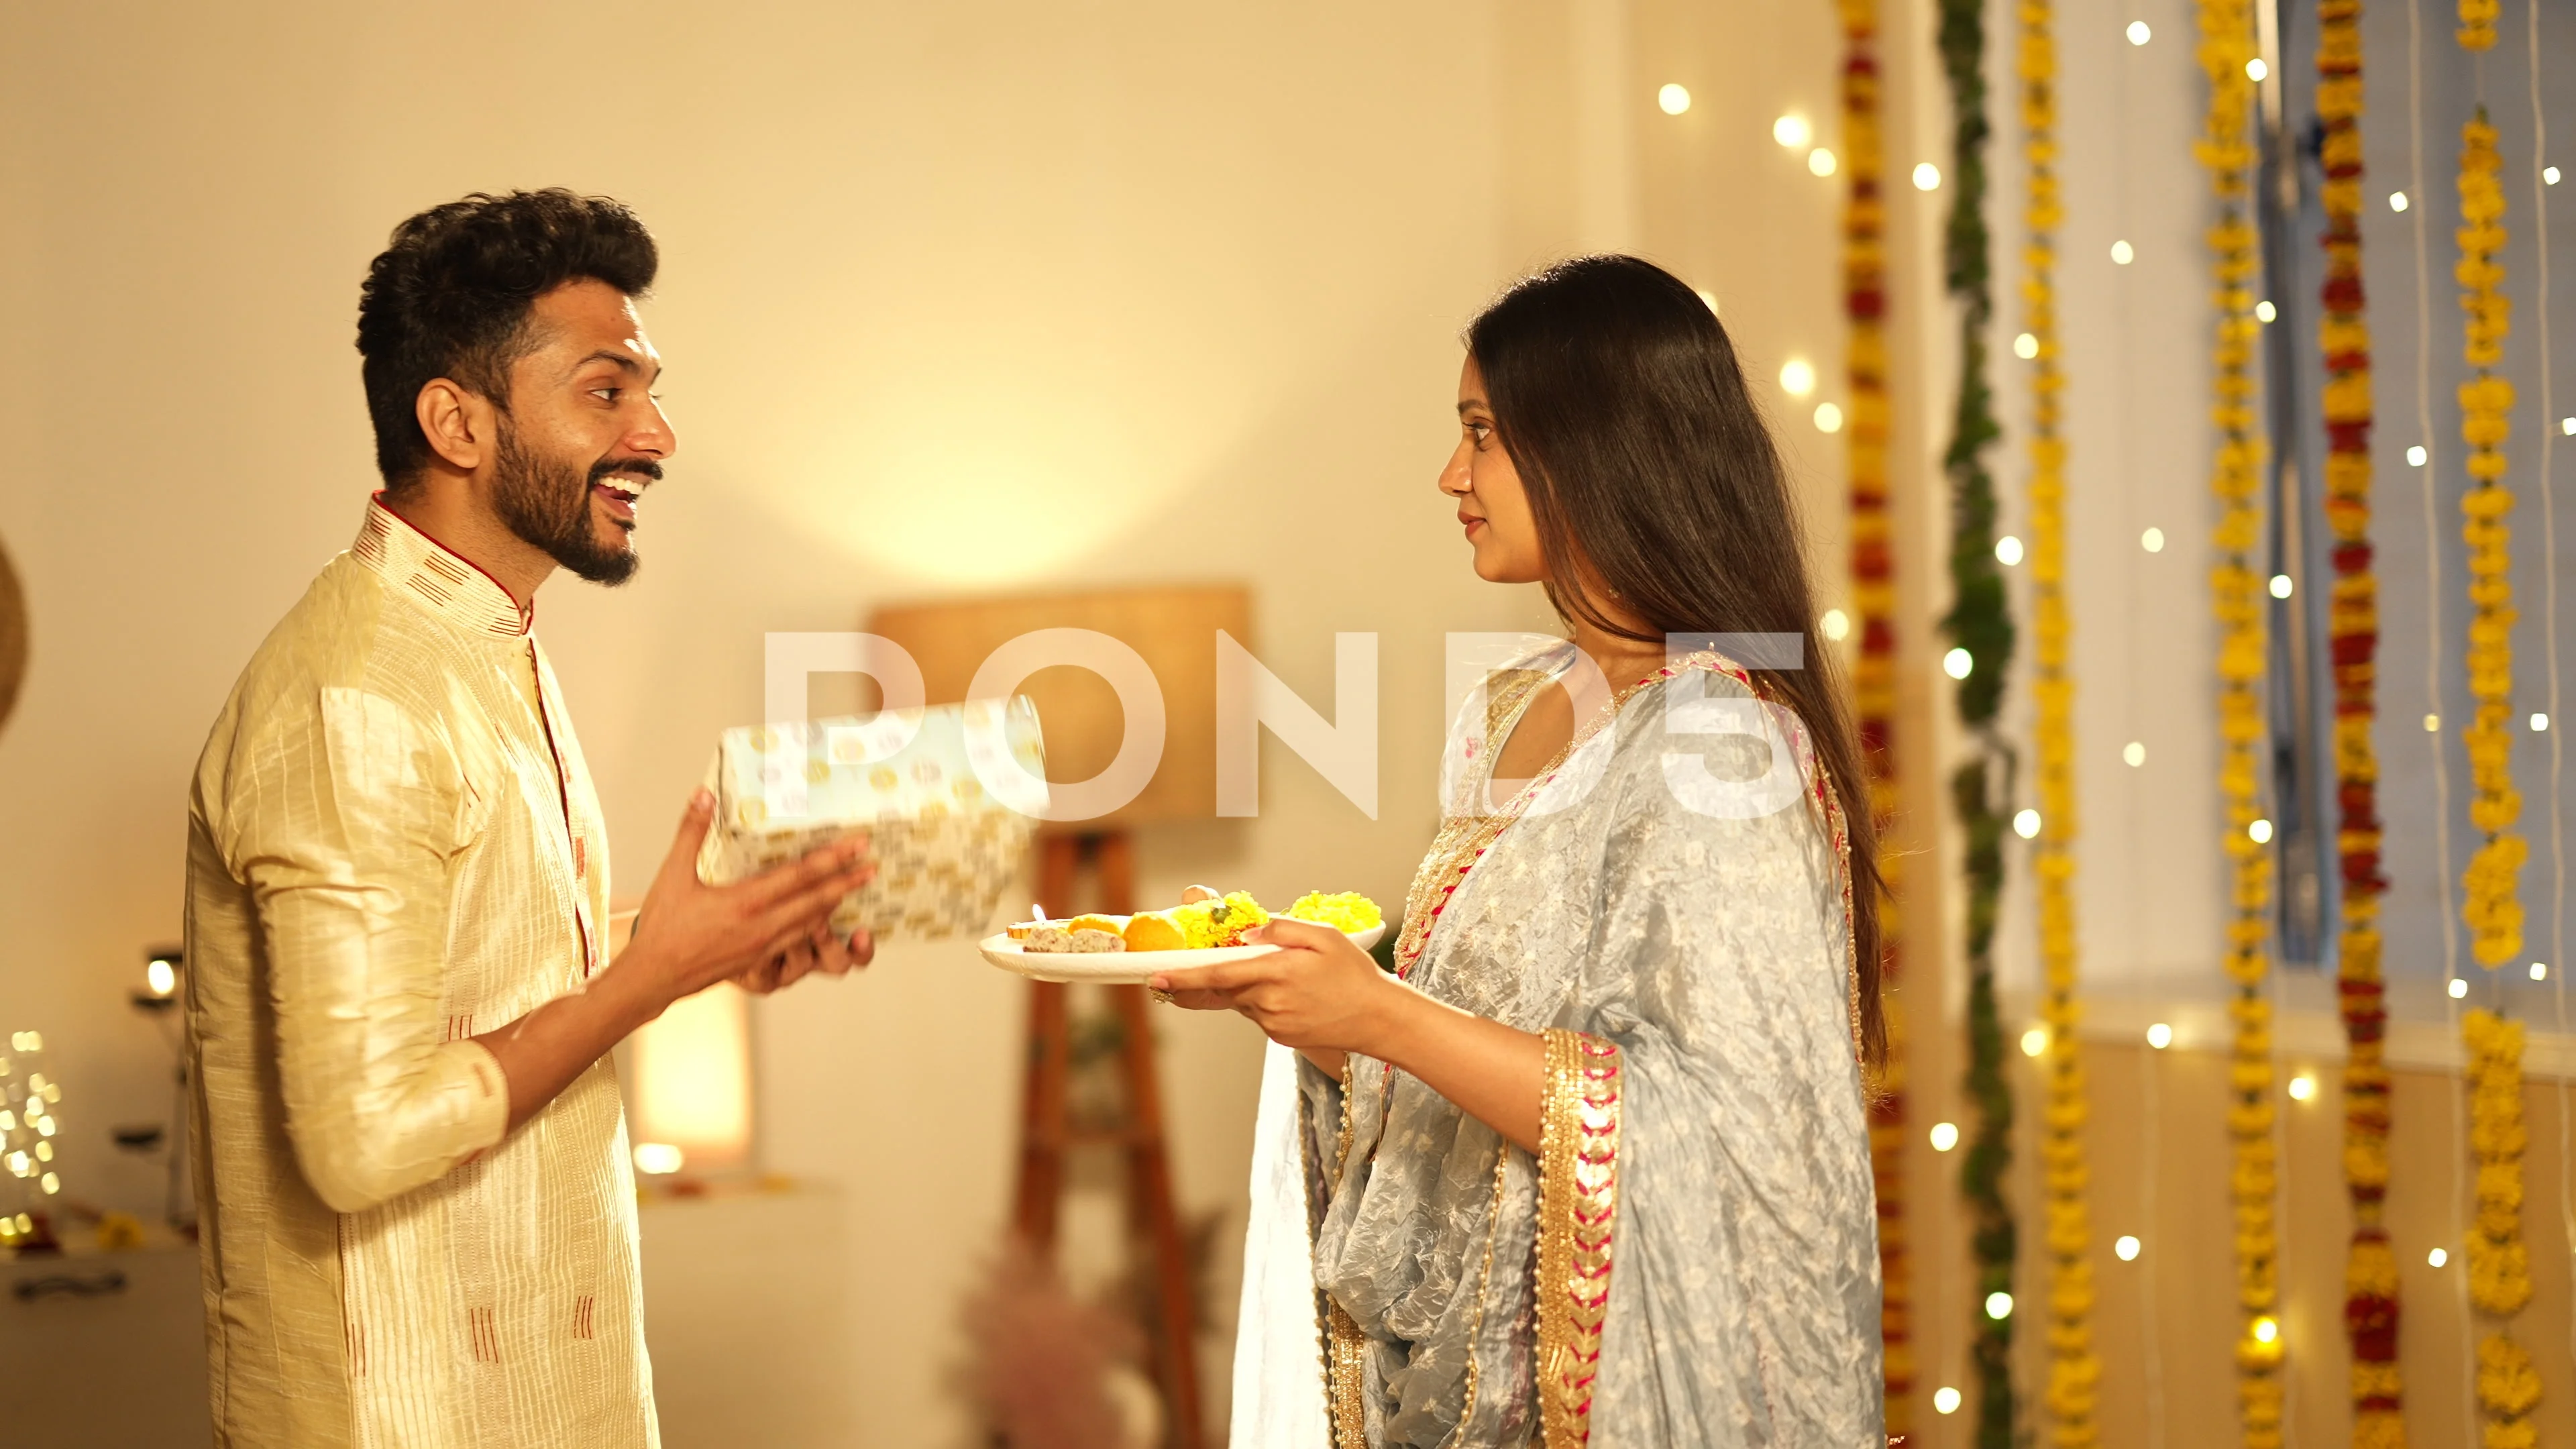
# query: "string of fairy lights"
[28,1130]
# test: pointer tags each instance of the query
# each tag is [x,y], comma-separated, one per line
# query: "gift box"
[948,796]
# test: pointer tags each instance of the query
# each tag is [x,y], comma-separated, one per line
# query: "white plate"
[1126,967]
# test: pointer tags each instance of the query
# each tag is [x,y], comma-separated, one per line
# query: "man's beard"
[547,504]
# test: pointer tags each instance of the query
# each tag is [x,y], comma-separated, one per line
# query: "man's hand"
[764,932]
[823,951]
[688,937]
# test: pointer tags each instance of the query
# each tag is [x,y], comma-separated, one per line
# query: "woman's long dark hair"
[1651,475]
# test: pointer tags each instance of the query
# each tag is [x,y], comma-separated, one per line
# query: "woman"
[1593,1166]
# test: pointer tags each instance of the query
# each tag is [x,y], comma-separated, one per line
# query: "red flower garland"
[1874,677]
[2370,1268]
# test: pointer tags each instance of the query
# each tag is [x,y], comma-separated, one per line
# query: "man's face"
[583,436]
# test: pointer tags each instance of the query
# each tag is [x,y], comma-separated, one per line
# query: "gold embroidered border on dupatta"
[1579,1144]
[1578,1206]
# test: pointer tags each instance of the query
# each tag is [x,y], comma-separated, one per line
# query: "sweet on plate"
[1206,918]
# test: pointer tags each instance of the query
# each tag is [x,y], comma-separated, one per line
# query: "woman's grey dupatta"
[1692,1257]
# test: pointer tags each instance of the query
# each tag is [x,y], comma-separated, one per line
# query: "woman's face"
[1491,504]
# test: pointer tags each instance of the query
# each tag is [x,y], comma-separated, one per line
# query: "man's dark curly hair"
[450,297]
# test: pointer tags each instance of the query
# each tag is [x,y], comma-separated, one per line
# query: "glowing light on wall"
[692,1088]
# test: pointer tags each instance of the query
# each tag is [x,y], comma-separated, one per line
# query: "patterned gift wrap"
[948,795]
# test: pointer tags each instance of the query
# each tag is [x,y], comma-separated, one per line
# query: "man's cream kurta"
[393,846]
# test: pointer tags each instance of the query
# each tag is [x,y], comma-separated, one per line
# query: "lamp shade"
[1172,630]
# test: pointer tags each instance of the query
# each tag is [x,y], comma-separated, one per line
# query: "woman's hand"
[1316,991]
[1323,995]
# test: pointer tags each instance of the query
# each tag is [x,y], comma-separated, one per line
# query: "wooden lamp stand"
[1047,1130]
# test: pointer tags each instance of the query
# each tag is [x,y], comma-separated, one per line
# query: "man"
[418,1214]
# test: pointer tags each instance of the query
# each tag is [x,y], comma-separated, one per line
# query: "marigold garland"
[2499,1263]
[2370,1308]
[2477,23]
[2226,149]
[2074,1371]
[2492,907]
[1874,676]
[1980,622]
